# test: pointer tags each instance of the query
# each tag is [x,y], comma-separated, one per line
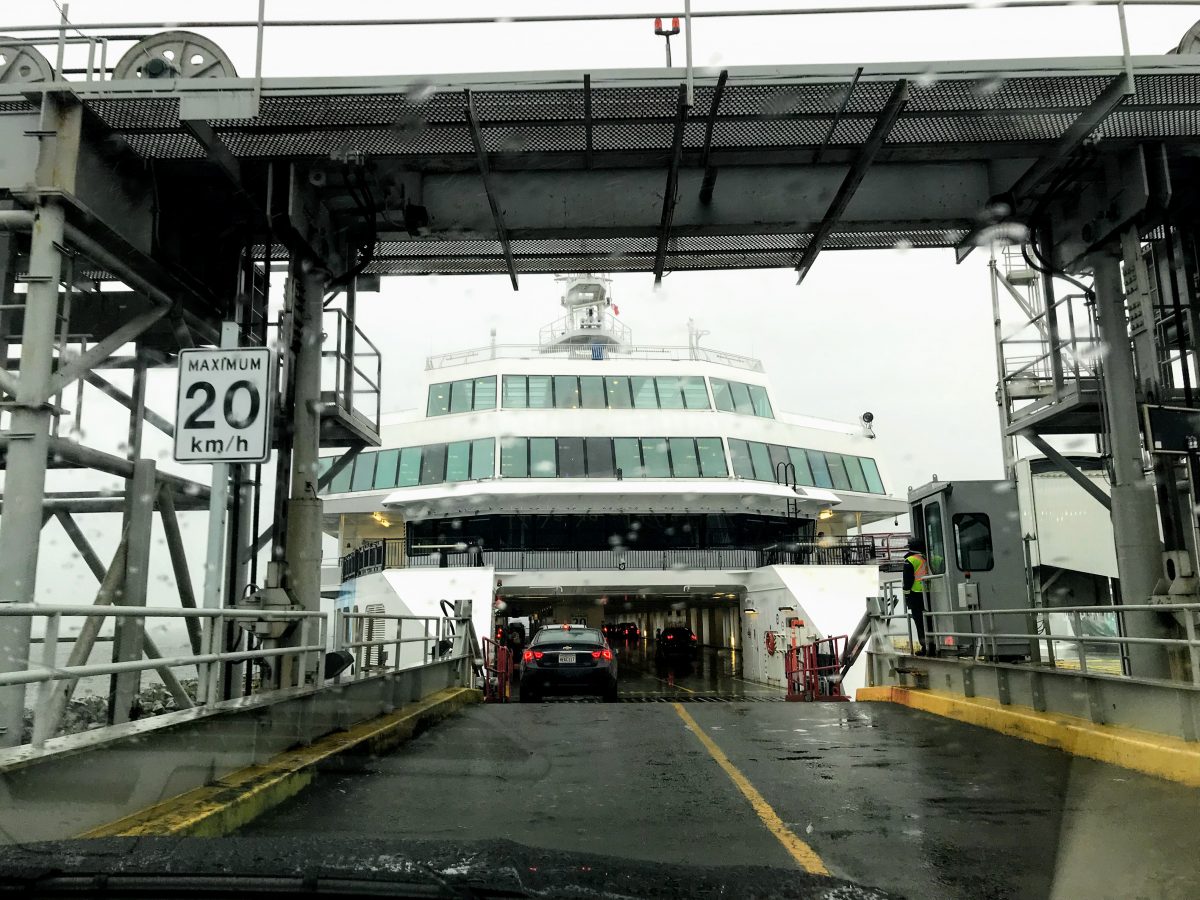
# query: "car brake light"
[693,637]
[597,654]
[530,655]
[670,637]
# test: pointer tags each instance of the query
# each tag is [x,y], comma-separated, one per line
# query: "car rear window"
[678,631]
[574,636]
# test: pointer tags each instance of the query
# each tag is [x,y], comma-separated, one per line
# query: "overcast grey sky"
[845,342]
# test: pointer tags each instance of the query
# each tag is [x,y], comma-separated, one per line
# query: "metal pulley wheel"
[175,54]
[22,65]
[1190,42]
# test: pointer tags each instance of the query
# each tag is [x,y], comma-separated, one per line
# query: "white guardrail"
[360,634]
[1043,640]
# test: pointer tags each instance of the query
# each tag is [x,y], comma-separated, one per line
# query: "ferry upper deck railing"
[589,352]
[577,324]
[395,553]
[57,36]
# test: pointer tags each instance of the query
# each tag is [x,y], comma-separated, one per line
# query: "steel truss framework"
[179,190]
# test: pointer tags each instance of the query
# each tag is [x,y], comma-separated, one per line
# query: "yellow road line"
[803,854]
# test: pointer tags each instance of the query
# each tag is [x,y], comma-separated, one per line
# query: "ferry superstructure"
[588,478]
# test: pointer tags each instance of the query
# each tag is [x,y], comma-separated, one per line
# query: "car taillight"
[599,654]
[670,637]
[693,637]
[531,655]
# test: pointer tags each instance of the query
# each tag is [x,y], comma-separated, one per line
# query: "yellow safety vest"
[920,571]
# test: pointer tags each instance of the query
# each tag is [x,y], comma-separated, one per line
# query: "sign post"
[223,408]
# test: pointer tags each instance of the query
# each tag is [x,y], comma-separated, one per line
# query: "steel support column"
[26,451]
[671,191]
[303,547]
[129,632]
[858,171]
[485,173]
[1134,514]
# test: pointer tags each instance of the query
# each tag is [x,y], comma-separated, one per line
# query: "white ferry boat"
[593,480]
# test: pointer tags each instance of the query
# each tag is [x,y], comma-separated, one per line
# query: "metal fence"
[366,636]
[1045,645]
[362,634]
[392,554]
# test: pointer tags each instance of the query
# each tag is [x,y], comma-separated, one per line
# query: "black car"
[568,659]
[676,644]
[628,631]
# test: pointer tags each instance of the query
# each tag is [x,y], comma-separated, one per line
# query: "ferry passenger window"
[820,469]
[760,401]
[837,470]
[458,461]
[341,481]
[324,464]
[515,396]
[566,392]
[739,452]
[670,394]
[721,395]
[570,458]
[629,456]
[741,398]
[483,458]
[591,391]
[514,457]
[485,392]
[364,472]
[541,458]
[799,459]
[712,458]
[385,468]
[461,396]
[973,542]
[855,473]
[618,393]
[433,464]
[935,545]
[541,394]
[871,473]
[761,458]
[779,464]
[439,399]
[599,457]
[409,472]
[654,458]
[683,458]
[644,396]
[695,396]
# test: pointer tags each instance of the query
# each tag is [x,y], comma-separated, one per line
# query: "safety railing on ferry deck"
[1045,645]
[590,352]
[364,635]
[56,682]
[393,553]
[443,639]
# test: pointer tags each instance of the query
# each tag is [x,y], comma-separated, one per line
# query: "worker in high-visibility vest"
[916,570]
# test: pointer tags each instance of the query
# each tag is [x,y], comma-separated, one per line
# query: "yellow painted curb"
[1142,751]
[230,802]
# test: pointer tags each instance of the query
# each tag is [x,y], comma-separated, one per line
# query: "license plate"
[566,659]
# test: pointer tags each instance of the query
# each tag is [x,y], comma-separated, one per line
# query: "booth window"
[973,542]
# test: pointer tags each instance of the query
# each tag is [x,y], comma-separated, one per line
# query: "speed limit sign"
[223,408]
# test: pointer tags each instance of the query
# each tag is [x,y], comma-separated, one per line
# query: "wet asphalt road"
[888,797]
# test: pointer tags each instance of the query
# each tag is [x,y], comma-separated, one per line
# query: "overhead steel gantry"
[183,189]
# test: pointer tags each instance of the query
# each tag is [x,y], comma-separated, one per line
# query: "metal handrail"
[444,629]
[1048,638]
[46,671]
[392,553]
[584,352]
